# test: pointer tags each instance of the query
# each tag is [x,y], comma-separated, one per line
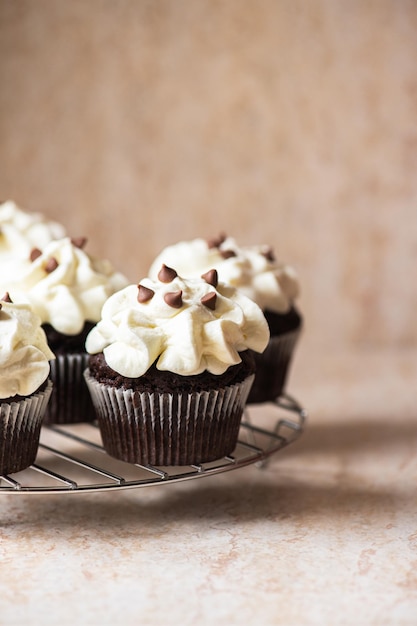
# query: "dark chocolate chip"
[174,299]
[209,300]
[166,274]
[34,254]
[6,297]
[51,265]
[211,277]
[145,294]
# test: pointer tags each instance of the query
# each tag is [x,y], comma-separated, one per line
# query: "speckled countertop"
[325,534]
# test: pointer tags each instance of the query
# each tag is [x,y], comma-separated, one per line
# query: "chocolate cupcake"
[25,387]
[171,368]
[67,287]
[257,274]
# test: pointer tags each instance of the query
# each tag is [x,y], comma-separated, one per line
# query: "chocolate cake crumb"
[64,344]
[168,382]
[280,323]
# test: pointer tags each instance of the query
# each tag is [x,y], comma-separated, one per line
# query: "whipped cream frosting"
[24,352]
[186,326]
[66,286]
[20,231]
[252,269]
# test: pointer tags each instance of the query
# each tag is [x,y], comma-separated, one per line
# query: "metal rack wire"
[71,458]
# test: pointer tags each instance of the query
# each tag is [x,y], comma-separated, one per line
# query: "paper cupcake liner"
[169,428]
[70,401]
[272,367]
[20,428]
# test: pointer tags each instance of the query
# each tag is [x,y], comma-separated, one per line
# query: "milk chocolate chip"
[211,277]
[209,300]
[145,294]
[79,242]
[269,254]
[174,299]
[216,242]
[51,265]
[166,274]
[227,254]
[34,254]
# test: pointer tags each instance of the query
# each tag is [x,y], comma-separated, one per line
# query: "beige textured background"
[138,123]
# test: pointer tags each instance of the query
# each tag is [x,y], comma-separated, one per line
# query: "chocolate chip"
[269,255]
[166,274]
[216,242]
[51,265]
[79,242]
[211,277]
[174,299]
[7,298]
[209,300]
[227,254]
[34,254]
[145,294]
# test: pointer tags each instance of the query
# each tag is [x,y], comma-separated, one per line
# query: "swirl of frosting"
[19,233]
[65,286]
[186,326]
[24,352]
[251,269]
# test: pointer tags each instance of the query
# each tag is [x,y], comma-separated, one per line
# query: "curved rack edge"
[255,446]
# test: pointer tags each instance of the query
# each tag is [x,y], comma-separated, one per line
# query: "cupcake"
[171,367]
[273,285]
[25,387]
[66,287]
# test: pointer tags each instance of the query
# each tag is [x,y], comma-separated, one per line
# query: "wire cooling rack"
[71,458]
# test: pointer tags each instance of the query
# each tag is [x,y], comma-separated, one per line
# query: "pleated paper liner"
[20,427]
[169,428]
[70,401]
[272,367]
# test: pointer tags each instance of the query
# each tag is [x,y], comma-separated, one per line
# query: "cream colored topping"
[67,287]
[272,285]
[24,352]
[21,231]
[186,338]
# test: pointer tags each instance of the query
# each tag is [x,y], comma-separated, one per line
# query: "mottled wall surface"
[138,123]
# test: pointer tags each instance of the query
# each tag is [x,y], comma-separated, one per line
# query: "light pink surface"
[326,534]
